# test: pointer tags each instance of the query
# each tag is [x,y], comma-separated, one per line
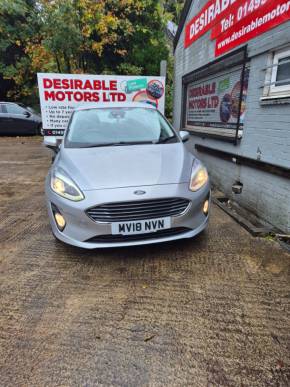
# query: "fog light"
[206,207]
[60,221]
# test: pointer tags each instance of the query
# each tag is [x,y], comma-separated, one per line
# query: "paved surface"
[213,311]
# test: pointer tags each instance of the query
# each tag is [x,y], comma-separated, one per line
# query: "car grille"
[138,210]
[138,237]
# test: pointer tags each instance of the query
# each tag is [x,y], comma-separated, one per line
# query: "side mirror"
[52,143]
[27,114]
[184,135]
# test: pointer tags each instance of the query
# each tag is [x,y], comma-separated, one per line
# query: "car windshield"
[117,126]
[31,110]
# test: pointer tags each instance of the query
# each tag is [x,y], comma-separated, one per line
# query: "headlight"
[199,176]
[64,186]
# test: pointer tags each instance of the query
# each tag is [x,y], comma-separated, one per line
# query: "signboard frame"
[227,62]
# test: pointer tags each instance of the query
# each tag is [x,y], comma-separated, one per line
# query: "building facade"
[232,93]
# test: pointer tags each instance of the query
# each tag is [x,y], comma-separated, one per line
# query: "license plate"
[141,226]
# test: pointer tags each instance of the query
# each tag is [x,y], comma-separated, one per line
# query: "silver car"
[122,177]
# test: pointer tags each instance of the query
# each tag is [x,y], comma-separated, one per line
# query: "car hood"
[127,166]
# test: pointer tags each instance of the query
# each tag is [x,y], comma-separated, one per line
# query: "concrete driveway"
[212,311]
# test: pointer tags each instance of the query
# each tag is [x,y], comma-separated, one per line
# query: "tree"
[17,27]
[81,36]
[173,9]
[102,36]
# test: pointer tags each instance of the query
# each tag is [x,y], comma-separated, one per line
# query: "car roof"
[13,103]
[115,105]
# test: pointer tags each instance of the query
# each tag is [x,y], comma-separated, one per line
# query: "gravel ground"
[212,311]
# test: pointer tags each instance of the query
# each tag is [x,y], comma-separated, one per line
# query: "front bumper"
[80,228]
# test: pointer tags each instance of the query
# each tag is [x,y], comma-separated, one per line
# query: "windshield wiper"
[120,143]
[162,141]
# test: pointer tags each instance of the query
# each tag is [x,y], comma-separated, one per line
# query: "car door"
[19,119]
[5,120]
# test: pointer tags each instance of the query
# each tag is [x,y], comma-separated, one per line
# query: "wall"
[266,128]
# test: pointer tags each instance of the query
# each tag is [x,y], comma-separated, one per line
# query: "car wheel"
[39,130]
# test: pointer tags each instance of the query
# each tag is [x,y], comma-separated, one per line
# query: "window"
[278,75]
[13,108]
[283,72]
[214,99]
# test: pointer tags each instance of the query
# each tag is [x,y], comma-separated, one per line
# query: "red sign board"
[267,17]
[235,14]
[210,14]
[234,22]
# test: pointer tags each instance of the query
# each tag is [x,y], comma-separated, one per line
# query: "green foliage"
[16,28]
[82,36]
[173,9]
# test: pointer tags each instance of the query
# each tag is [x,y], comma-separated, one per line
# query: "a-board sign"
[60,94]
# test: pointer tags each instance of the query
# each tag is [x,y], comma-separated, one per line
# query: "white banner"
[216,101]
[61,93]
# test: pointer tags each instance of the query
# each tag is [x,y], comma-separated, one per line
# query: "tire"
[39,130]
